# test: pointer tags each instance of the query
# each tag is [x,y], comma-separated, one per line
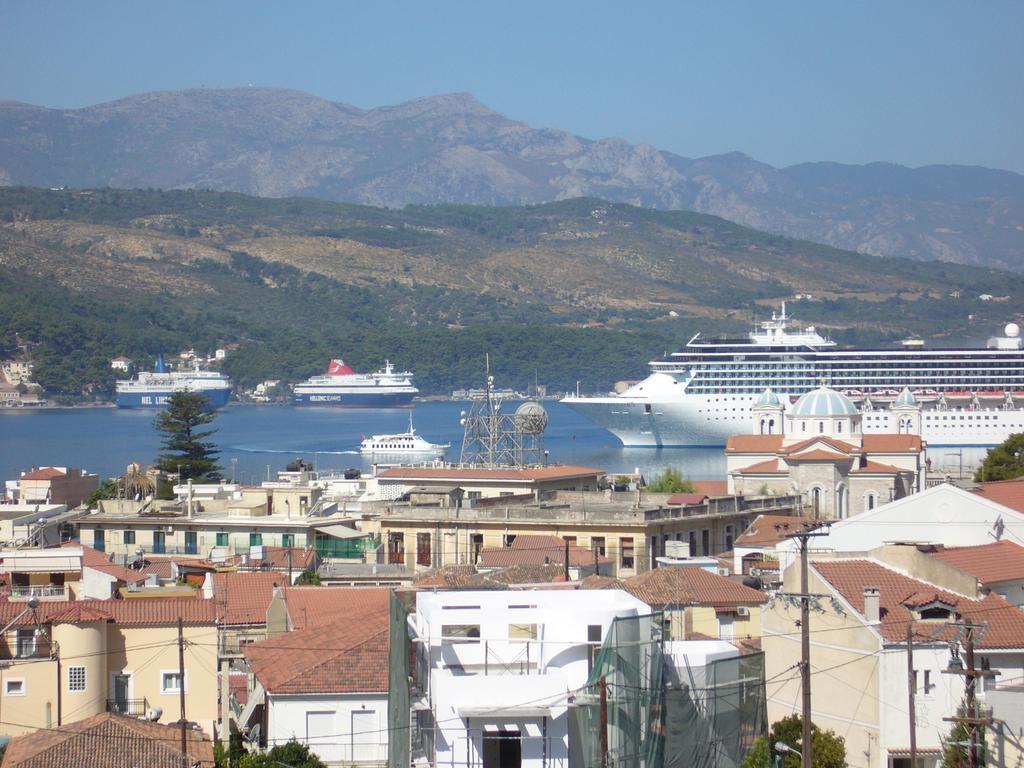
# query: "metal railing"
[41,591]
[129,707]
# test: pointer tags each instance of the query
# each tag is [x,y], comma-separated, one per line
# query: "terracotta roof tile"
[877,468]
[818,455]
[527,574]
[892,444]
[243,597]
[753,443]
[277,557]
[767,530]
[769,467]
[690,586]
[108,741]
[1005,622]
[989,563]
[537,550]
[593,581]
[316,606]
[141,611]
[44,473]
[840,446]
[711,487]
[1009,493]
[349,655]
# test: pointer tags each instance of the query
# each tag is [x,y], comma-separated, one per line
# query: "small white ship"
[405,443]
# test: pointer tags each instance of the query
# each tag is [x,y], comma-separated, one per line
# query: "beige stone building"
[68,661]
[629,533]
[57,485]
[863,606]
[819,451]
[222,521]
[472,483]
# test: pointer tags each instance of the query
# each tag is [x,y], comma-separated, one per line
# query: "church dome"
[823,402]
[906,399]
[768,399]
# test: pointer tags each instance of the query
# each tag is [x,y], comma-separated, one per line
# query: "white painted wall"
[944,515]
[486,684]
[331,717]
[96,585]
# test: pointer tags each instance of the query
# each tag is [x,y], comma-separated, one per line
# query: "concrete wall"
[38,704]
[357,725]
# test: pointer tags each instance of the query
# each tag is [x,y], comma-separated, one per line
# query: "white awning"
[482,710]
[340,531]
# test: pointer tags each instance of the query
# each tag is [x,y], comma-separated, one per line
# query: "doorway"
[503,749]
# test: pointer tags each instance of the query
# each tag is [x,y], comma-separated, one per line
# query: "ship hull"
[356,399]
[706,422]
[157,399]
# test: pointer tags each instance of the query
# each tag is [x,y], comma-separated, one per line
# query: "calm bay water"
[253,438]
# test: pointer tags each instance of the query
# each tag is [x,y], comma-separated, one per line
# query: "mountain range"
[452,149]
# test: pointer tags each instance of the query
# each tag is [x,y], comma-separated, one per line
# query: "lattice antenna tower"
[491,438]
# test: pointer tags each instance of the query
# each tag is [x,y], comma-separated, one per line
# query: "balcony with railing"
[232,643]
[40,592]
[128,707]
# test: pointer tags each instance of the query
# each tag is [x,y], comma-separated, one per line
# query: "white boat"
[405,443]
[702,394]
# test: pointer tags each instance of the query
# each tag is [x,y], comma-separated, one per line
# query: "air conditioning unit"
[724,572]
[742,610]
[168,529]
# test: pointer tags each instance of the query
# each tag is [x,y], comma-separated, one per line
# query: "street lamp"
[782,747]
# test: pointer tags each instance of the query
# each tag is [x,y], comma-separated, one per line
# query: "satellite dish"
[531,418]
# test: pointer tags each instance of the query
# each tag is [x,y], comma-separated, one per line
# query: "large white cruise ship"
[702,394]
[154,389]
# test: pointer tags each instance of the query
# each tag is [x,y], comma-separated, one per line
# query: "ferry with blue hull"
[153,389]
[343,387]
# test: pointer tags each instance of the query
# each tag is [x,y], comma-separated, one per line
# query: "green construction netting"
[662,711]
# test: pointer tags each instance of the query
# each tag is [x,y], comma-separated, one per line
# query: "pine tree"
[185,449]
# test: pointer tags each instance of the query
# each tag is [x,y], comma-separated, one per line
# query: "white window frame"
[172,691]
[85,679]
[7,686]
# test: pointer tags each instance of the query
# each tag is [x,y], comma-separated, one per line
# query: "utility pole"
[803,537]
[972,718]
[566,568]
[603,725]
[181,694]
[912,690]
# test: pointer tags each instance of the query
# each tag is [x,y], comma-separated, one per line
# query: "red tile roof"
[1009,493]
[142,611]
[44,473]
[459,473]
[243,597]
[277,558]
[1005,622]
[876,468]
[838,445]
[682,499]
[349,655]
[711,487]
[682,586]
[753,443]
[769,467]
[108,741]
[892,444]
[315,606]
[989,563]
[767,530]
[537,550]
[93,558]
[818,455]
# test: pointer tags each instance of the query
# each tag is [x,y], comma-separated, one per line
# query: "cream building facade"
[858,655]
[65,662]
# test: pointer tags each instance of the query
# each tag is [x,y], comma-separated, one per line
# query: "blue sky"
[914,82]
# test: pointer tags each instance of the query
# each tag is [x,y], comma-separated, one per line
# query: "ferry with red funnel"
[343,387]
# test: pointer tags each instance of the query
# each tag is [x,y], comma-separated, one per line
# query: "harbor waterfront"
[254,437]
